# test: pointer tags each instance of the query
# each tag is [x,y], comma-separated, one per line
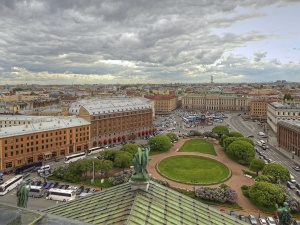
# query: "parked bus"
[27,167]
[95,150]
[74,157]
[36,191]
[61,195]
[10,184]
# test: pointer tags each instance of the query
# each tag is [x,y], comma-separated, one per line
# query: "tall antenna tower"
[212,79]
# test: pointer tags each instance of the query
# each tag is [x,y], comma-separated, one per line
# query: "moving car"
[297,168]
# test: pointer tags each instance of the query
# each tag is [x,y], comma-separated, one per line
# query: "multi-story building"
[288,136]
[216,100]
[115,119]
[258,108]
[41,138]
[277,111]
[163,103]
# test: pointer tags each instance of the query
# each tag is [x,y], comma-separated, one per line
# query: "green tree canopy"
[123,159]
[249,140]
[131,148]
[277,171]
[160,143]
[241,151]
[266,193]
[172,136]
[263,178]
[235,134]
[256,165]
[222,139]
[287,97]
[227,141]
[220,130]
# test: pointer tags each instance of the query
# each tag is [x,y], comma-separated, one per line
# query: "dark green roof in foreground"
[158,205]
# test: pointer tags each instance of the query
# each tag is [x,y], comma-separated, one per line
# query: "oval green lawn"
[198,145]
[188,169]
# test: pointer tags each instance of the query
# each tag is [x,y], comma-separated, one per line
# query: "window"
[8,164]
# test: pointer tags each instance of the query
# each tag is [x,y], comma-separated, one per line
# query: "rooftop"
[158,205]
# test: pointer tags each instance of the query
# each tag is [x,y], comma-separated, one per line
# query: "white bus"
[10,184]
[61,195]
[95,150]
[75,157]
[36,191]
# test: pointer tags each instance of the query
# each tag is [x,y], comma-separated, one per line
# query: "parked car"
[60,186]
[65,187]
[37,183]
[232,213]
[262,221]
[86,190]
[298,186]
[250,136]
[297,168]
[270,221]
[44,183]
[242,217]
[252,220]
[296,222]
[298,192]
[54,185]
[79,190]
[48,185]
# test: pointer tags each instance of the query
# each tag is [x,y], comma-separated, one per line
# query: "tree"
[263,178]
[249,140]
[235,134]
[222,139]
[277,172]
[287,97]
[220,130]
[256,165]
[123,160]
[241,151]
[131,148]
[172,136]
[104,166]
[160,143]
[227,141]
[266,193]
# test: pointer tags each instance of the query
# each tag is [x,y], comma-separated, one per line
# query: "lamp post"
[293,154]
[194,182]
[101,180]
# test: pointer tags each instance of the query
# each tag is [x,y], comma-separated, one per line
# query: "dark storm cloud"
[107,40]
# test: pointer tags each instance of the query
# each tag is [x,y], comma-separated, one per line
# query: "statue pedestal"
[142,185]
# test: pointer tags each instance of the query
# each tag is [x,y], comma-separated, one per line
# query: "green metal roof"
[158,205]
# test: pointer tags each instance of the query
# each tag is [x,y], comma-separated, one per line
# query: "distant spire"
[212,79]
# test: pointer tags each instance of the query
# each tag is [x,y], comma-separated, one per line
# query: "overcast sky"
[149,41]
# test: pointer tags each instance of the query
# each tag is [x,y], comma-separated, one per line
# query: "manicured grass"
[155,153]
[188,169]
[198,145]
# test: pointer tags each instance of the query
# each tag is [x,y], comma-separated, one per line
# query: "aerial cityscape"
[160,112]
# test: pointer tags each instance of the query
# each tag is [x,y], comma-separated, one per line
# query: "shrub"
[221,194]
[162,182]
[121,177]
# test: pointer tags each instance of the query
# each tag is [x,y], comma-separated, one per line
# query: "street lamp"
[194,182]
[293,154]
[101,180]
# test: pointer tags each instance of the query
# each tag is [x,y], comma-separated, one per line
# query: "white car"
[270,221]
[262,221]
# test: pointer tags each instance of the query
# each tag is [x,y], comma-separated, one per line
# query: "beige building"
[259,108]
[277,112]
[288,137]
[217,101]
[40,139]
[163,103]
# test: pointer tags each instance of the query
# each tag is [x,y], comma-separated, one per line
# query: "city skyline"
[110,42]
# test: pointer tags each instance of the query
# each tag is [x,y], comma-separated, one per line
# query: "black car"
[54,185]
[64,187]
[250,136]
[232,213]
[298,192]
[86,190]
[298,186]
[79,190]
[36,183]
[44,184]
[60,186]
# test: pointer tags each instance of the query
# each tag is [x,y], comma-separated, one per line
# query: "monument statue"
[284,214]
[22,194]
[140,162]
